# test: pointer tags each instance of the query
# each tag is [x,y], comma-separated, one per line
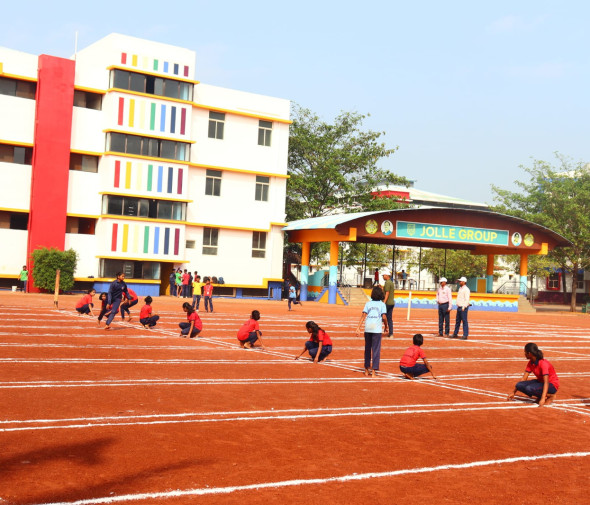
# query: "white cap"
[462,279]
[443,279]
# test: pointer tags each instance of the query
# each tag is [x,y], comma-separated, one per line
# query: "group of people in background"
[186,285]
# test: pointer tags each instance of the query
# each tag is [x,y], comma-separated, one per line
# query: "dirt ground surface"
[143,416]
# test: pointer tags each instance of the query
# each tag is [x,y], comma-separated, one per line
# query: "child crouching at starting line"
[194,325]
[84,305]
[319,344]
[408,365]
[146,317]
[250,332]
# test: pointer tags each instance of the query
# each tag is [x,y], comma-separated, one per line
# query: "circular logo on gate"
[386,227]
[516,239]
[529,240]
[371,226]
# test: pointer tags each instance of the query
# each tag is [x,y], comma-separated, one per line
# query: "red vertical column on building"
[51,155]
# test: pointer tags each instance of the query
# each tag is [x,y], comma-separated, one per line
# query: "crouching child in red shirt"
[84,305]
[146,317]
[250,332]
[408,365]
[319,344]
[193,325]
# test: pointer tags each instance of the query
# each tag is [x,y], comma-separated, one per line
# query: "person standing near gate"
[462,308]
[389,300]
[444,299]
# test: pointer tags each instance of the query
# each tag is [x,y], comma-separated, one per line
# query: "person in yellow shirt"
[197,287]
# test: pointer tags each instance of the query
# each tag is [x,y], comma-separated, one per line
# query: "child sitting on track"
[146,317]
[547,383]
[408,365]
[250,332]
[319,344]
[194,325]
[84,305]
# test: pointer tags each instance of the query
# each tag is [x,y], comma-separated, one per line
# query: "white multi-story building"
[119,154]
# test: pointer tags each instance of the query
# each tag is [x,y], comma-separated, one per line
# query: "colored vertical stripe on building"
[114,237]
[160,177]
[131,113]
[179,186]
[125,238]
[166,240]
[146,239]
[170,179]
[163,118]
[166,67]
[182,121]
[142,106]
[134,60]
[123,58]
[172,119]
[149,178]
[186,70]
[153,117]
[176,69]
[135,239]
[156,240]
[144,62]
[138,178]
[121,111]
[155,64]
[117,173]
[176,241]
[128,175]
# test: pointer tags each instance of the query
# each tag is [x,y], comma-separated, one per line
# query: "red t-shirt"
[543,367]
[412,355]
[248,327]
[83,301]
[195,317]
[132,296]
[207,289]
[185,278]
[145,312]
[323,337]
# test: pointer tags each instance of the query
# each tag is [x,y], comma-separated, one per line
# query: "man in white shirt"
[462,308]
[444,299]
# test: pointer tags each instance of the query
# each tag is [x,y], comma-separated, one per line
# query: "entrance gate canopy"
[480,231]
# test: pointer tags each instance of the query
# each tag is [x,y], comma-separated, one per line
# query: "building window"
[216,124]
[80,225]
[213,183]
[553,281]
[210,239]
[580,281]
[262,184]
[14,220]
[132,269]
[146,146]
[258,244]
[190,244]
[151,85]
[264,132]
[84,162]
[87,100]
[16,154]
[115,205]
[16,87]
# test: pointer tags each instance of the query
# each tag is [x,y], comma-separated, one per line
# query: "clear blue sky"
[468,90]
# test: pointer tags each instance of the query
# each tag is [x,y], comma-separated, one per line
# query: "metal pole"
[393,263]
[364,266]
[419,267]
[445,268]
[341,255]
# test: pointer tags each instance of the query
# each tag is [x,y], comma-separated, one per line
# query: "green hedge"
[47,261]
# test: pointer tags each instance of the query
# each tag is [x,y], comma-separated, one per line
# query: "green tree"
[47,261]
[458,263]
[538,266]
[558,198]
[334,167]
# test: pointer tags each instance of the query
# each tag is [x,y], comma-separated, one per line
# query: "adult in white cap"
[444,299]
[462,308]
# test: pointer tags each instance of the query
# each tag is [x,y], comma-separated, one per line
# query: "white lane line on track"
[325,480]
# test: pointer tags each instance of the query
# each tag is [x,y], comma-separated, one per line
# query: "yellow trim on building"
[150,95]
[85,216]
[148,158]
[141,134]
[87,153]
[142,219]
[90,90]
[241,113]
[224,227]
[111,279]
[10,276]
[24,211]
[127,258]
[238,170]
[15,143]
[145,72]
[17,77]
[154,197]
